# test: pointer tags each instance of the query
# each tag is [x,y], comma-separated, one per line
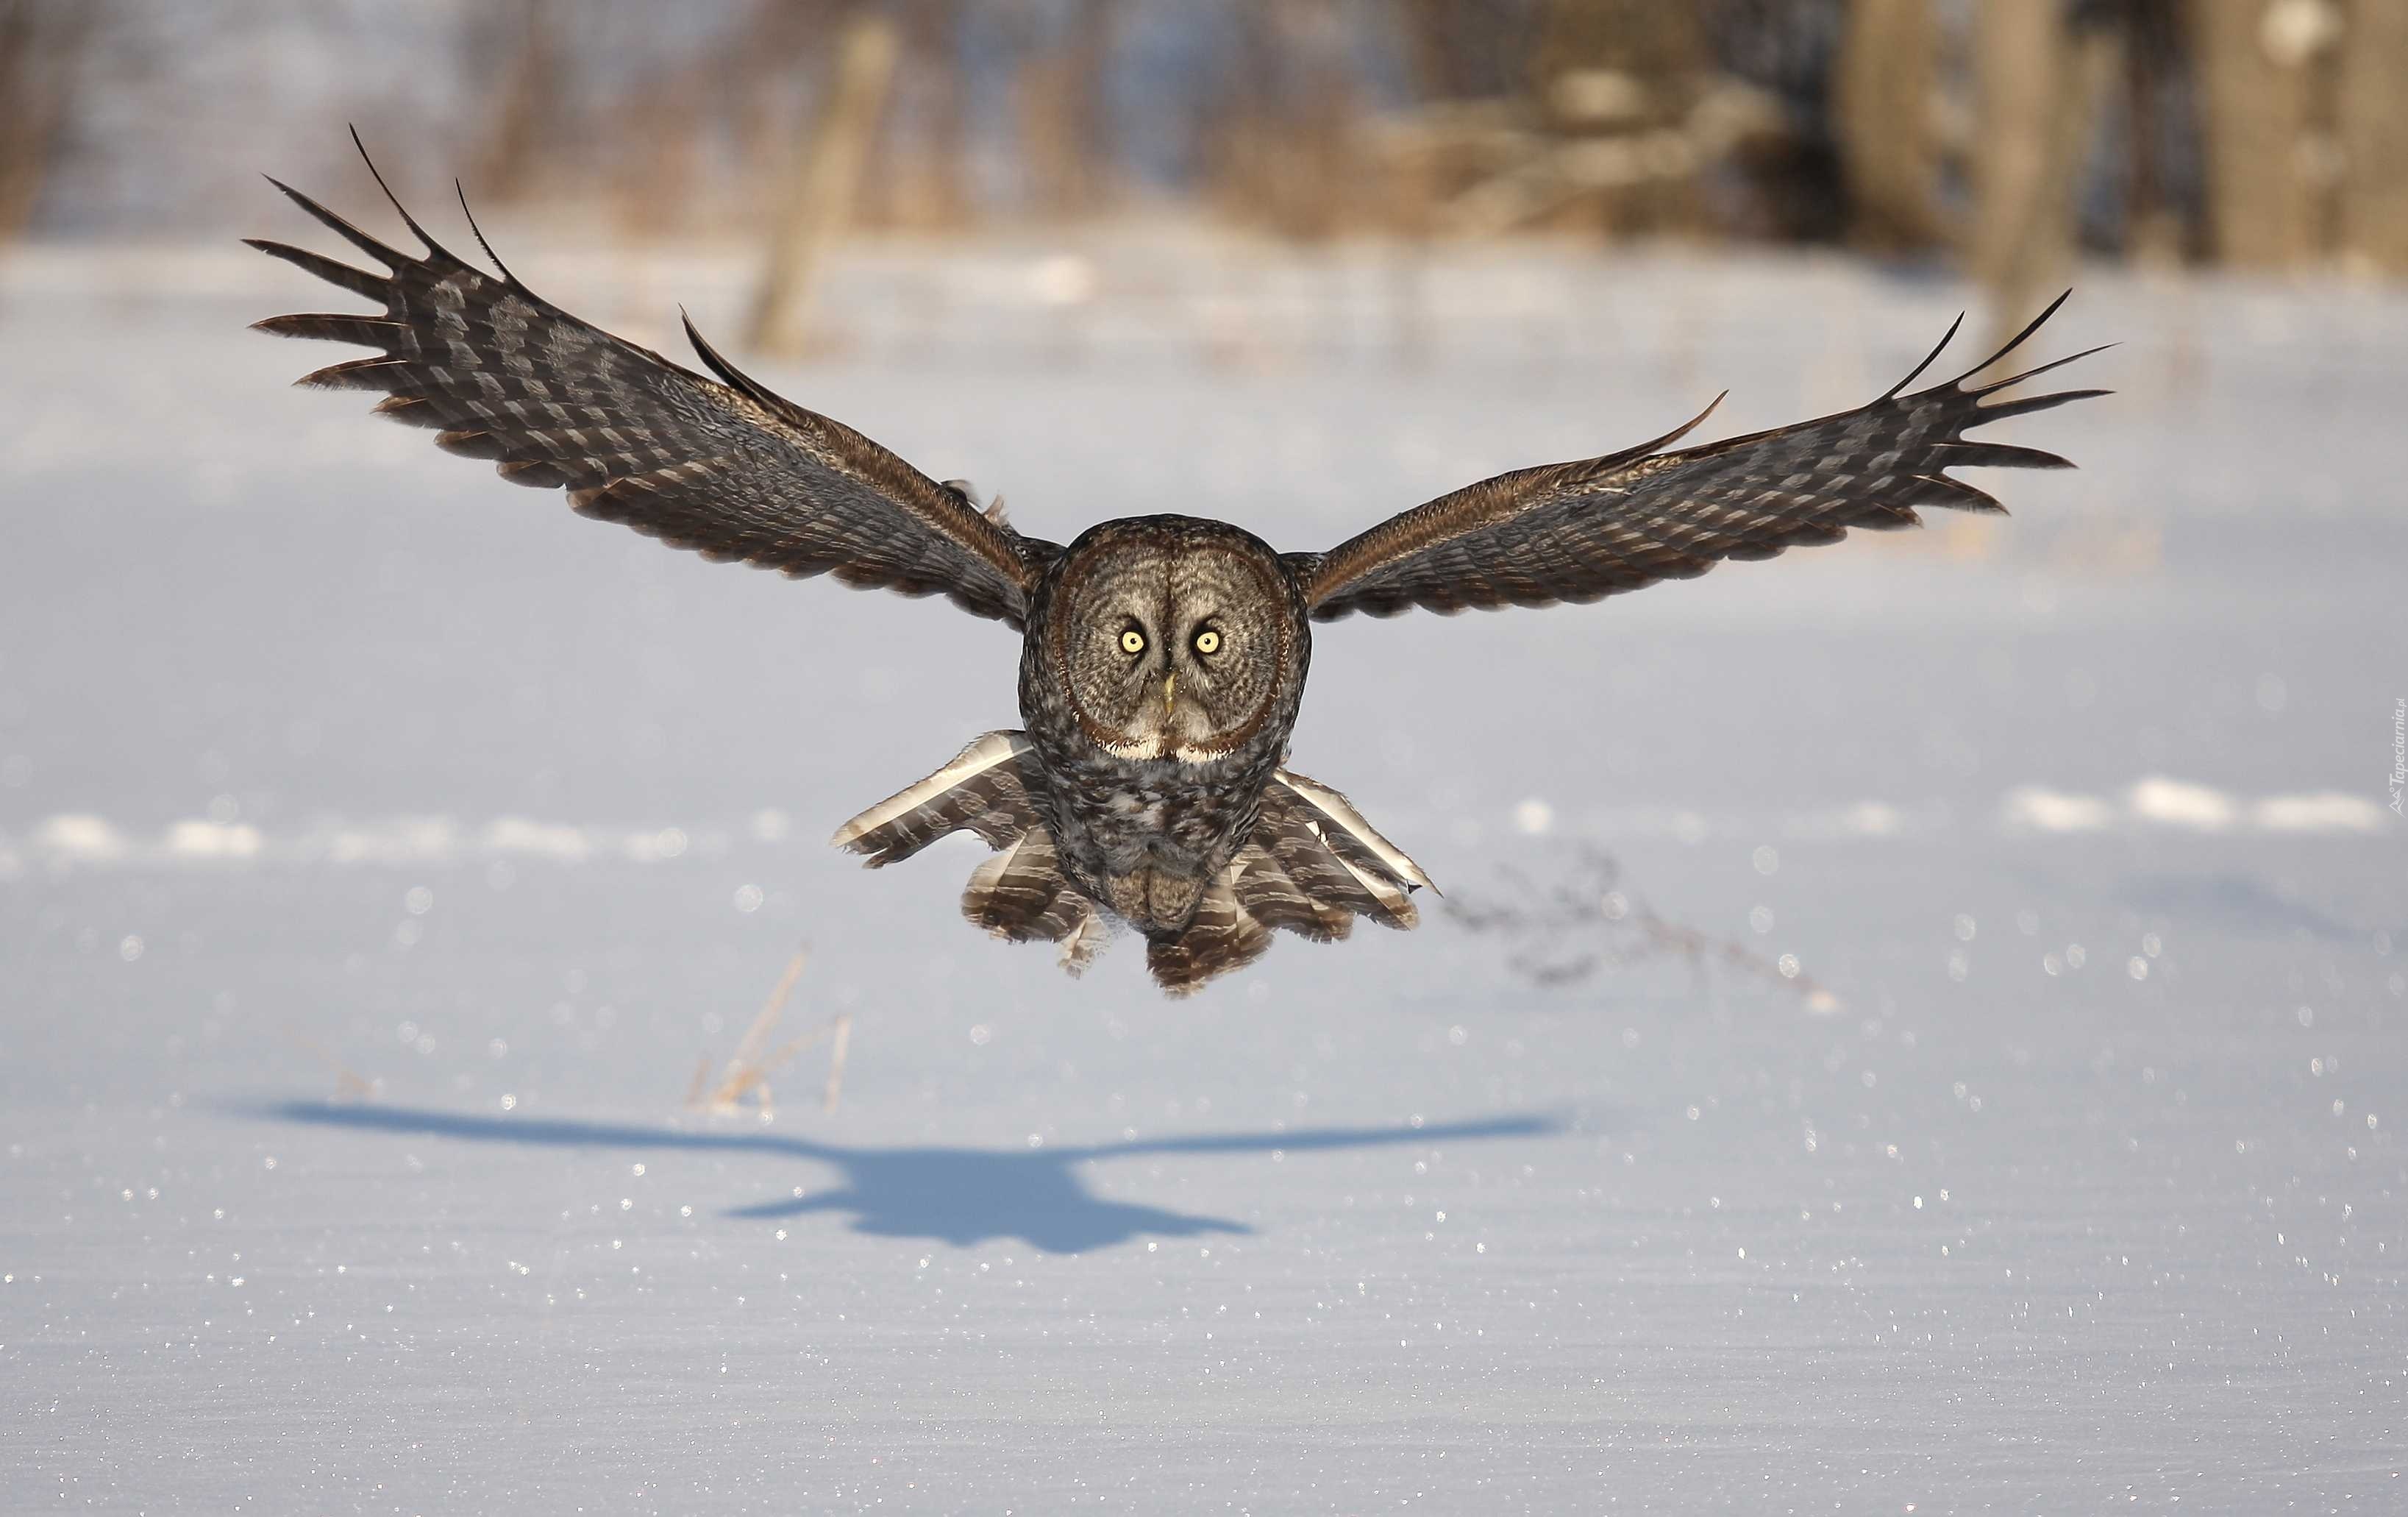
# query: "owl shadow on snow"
[962,1196]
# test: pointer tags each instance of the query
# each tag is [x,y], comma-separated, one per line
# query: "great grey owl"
[1163,657]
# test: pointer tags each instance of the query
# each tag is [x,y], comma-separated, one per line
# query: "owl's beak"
[1169,687]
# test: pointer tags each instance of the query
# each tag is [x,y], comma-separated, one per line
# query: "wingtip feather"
[2036,371]
[479,233]
[1929,359]
[393,258]
[434,249]
[2020,338]
[351,374]
[717,363]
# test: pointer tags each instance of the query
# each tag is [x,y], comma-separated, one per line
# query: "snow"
[382,847]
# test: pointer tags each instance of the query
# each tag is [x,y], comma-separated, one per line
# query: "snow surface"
[324,754]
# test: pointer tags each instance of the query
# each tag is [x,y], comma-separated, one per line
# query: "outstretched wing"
[730,470]
[1581,531]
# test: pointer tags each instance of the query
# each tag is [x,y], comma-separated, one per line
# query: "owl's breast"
[1162,668]
[1144,837]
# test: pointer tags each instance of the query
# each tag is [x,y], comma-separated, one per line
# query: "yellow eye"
[1207,640]
[1132,640]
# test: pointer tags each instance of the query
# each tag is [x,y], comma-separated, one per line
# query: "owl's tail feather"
[1337,858]
[1225,934]
[1020,893]
[983,790]
[1312,866]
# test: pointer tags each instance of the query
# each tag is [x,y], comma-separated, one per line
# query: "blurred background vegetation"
[2002,137]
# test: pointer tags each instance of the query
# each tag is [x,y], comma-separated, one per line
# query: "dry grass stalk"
[748,1071]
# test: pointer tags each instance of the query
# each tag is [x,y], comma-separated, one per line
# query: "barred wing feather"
[728,469]
[1580,531]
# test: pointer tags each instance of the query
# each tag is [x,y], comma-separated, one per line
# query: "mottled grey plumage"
[1149,796]
[1163,657]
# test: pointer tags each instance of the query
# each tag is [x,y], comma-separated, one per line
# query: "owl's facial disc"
[1172,654]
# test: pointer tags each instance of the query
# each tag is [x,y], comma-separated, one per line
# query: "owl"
[1163,658]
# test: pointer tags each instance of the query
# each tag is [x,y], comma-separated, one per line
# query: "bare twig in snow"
[1564,933]
[348,1085]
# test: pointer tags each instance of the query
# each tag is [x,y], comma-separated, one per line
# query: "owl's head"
[1175,637]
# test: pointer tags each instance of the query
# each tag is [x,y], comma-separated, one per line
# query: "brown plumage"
[729,470]
[1164,657]
[1581,531]
[1311,865]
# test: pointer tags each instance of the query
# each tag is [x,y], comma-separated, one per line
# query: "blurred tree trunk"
[757,77]
[2374,128]
[2155,228]
[1322,190]
[1467,49]
[1282,126]
[1239,130]
[1065,116]
[945,158]
[525,123]
[2016,54]
[1887,72]
[42,47]
[2039,82]
[659,161]
[918,179]
[2255,110]
[817,200]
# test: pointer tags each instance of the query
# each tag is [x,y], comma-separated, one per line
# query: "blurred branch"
[1617,81]
[1565,932]
[1612,118]
[1637,176]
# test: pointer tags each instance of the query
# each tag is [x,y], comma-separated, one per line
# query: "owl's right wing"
[1581,531]
[730,470]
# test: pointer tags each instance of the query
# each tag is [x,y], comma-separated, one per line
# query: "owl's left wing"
[1580,531]
[730,470]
